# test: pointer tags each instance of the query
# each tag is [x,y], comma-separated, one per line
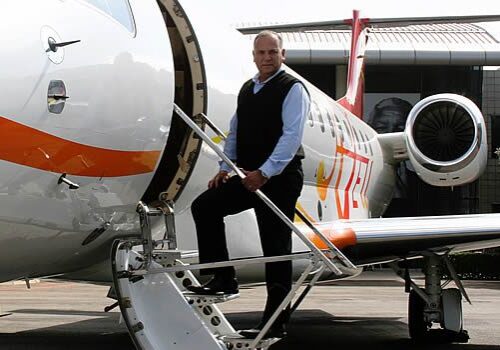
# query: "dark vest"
[260,123]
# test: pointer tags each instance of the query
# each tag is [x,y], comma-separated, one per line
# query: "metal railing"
[348,267]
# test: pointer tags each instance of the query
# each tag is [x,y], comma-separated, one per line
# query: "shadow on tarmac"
[309,329]
[477,284]
[316,329]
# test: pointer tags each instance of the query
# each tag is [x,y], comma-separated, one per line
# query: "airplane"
[96,153]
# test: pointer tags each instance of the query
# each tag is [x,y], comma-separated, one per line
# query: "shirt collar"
[256,77]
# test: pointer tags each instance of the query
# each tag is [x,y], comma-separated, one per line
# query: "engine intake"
[446,140]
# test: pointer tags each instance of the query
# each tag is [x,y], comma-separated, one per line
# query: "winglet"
[353,99]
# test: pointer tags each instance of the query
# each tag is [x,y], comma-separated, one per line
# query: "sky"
[281,11]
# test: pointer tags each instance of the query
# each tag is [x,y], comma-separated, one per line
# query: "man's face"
[389,121]
[268,56]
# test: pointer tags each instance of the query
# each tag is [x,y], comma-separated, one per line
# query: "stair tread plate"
[236,338]
[211,299]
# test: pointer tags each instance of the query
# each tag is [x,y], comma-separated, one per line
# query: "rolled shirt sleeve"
[230,144]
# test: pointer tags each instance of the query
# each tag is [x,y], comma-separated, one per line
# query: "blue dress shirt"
[294,113]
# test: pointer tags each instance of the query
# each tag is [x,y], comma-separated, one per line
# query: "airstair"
[151,277]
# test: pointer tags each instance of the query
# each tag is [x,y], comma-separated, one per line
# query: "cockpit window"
[118,9]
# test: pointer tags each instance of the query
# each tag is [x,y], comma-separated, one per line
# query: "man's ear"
[283,54]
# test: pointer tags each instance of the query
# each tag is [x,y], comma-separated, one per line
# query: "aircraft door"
[116,84]
[85,109]
[78,70]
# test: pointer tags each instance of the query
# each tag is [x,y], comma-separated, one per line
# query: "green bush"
[476,266]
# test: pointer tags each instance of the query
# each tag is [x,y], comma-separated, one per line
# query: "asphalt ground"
[370,310]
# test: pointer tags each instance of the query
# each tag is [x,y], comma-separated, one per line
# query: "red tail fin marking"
[353,100]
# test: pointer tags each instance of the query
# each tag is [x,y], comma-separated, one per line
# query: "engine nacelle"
[446,140]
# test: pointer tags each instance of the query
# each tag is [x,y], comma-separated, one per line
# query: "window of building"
[118,9]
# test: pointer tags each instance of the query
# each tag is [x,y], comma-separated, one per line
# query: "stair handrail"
[301,216]
[266,200]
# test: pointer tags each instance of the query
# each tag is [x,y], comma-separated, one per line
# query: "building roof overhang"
[431,44]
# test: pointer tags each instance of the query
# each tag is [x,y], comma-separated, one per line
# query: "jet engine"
[446,140]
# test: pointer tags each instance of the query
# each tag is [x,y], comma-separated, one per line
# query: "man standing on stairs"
[264,140]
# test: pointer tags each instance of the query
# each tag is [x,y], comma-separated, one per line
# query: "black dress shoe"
[273,332]
[216,286]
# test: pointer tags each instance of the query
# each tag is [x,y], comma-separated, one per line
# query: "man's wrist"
[263,174]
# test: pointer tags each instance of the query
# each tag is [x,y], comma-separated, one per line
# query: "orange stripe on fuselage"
[28,146]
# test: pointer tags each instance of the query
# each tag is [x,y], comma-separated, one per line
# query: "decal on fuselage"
[28,146]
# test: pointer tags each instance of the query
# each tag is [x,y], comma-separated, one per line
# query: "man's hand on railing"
[219,178]
[254,180]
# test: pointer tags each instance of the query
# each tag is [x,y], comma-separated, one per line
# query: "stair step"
[201,299]
[237,341]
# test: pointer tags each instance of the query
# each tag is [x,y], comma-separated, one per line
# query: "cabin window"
[118,9]
[357,141]
[330,122]
[341,130]
[364,138]
[347,134]
[310,117]
[320,116]
[369,145]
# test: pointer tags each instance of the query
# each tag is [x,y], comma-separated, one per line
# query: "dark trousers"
[210,208]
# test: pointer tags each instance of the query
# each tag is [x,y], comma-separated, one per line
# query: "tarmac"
[369,310]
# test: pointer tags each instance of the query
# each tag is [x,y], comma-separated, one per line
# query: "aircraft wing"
[385,239]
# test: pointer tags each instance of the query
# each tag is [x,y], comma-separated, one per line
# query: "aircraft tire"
[417,326]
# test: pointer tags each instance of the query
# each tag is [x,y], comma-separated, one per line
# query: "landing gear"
[451,331]
[435,314]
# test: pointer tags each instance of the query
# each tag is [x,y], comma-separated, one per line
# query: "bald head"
[271,34]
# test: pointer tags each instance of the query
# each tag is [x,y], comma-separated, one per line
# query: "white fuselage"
[114,127]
